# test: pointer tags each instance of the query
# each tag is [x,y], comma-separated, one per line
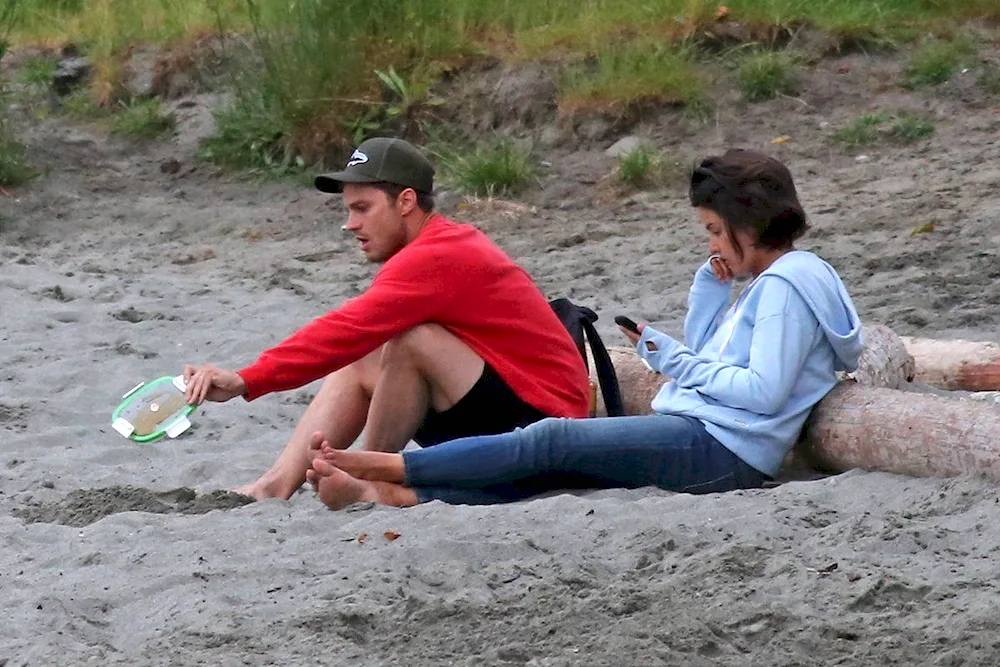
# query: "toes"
[317,440]
[321,468]
[313,478]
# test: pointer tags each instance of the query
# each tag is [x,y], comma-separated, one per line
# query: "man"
[451,339]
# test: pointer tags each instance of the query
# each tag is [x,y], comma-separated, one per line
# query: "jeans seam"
[690,487]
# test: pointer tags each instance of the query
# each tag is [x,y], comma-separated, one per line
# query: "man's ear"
[407,201]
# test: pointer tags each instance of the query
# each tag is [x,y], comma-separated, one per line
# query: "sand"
[113,271]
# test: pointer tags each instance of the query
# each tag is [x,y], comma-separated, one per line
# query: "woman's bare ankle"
[389,493]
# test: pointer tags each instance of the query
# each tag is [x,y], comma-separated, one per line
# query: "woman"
[742,388]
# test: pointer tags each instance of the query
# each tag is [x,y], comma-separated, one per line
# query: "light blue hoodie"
[752,372]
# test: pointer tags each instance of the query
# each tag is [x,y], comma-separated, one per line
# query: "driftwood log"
[922,435]
[867,421]
[956,364]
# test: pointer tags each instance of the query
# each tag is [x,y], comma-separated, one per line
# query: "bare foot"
[316,442]
[258,490]
[246,490]
[374,466]
[336,489]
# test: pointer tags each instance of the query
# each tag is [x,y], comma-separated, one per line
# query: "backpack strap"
[606,375]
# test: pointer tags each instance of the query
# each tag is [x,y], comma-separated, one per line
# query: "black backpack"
[579,321]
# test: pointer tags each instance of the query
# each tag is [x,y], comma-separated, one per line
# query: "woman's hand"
[634,337]
[631,335]
[720,268]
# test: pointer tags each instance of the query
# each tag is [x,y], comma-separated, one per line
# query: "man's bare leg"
[386,394]
[338,411]
[425,367]
[337,489]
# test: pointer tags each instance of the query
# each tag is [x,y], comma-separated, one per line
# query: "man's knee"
[362,373]
[417,343]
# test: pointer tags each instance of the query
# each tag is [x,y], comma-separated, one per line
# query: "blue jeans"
[672,452]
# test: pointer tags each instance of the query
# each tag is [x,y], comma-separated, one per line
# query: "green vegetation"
[322,75]
[36,71]
[632,73]
[531,23]
[862,132]
[493,169]
[935,61]
[80,104]
[907,128]
[903,127]
[645,167]
[765,75]
[249,135]
[142,119]
[14,166]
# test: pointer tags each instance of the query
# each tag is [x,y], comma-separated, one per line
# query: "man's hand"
[211,383]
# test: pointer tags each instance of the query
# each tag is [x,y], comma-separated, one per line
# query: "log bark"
[874,427]
[956,364]
[885,361]
[904,432]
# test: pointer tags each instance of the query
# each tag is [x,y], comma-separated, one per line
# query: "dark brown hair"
[425,200]
[750,191]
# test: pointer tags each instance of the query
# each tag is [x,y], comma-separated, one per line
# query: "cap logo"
[357,157]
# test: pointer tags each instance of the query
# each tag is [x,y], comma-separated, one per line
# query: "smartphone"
[623,321]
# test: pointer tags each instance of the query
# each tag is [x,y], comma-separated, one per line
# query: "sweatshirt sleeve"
[403,294]
[707,300]
[784,333]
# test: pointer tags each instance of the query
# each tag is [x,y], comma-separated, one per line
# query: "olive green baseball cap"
[382,160]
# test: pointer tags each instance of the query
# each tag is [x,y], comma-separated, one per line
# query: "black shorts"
[488,408]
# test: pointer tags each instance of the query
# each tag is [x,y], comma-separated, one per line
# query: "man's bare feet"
[259,490]
[336,489]
[247,490]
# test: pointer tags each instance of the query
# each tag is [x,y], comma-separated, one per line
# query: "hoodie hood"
[820,286]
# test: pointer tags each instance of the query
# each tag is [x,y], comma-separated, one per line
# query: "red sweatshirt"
[452,275]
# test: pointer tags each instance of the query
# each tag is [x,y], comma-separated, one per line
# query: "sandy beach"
[115,269]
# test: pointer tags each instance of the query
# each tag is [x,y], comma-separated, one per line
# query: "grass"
[935,61]
[14,166]
[907,128]
[633,73]
[250,134]
[492,169]
[645,167]
[635,167]
[80,104]
[315,88]
[766,75]
[36,71]
[142,119]
[864,131]
[540,21]
[869,129]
